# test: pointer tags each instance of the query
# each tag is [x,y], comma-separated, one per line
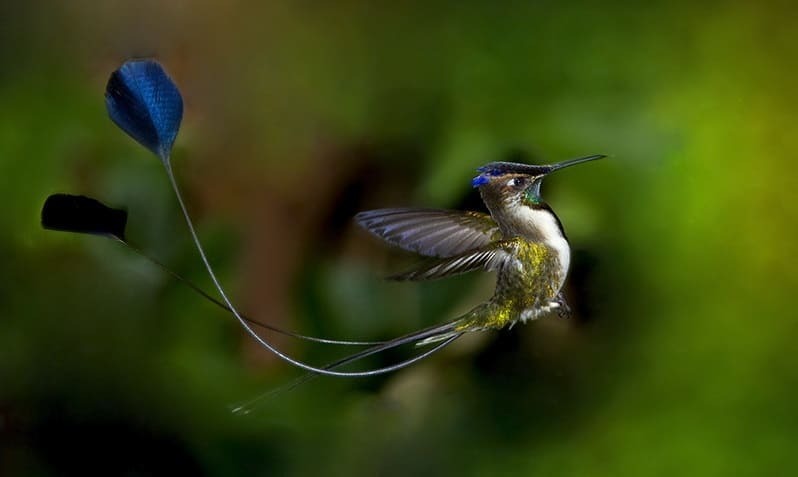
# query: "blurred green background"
[679,360]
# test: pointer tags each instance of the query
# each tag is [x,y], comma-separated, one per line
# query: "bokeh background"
[680,358]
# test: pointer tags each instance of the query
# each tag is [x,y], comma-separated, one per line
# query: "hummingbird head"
[511,192]
[516,183]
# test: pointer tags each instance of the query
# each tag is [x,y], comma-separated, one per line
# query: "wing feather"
[431,232]
[487,258]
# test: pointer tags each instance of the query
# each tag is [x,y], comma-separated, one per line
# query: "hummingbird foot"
[532,314]
[563,310]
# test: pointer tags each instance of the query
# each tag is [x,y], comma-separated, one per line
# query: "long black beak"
[570,162]
[499,168]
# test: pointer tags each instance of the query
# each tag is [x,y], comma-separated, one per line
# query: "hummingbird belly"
[527,286]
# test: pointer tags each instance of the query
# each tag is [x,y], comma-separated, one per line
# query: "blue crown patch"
[479,180]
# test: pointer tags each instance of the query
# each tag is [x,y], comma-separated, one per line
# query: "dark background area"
[679,359]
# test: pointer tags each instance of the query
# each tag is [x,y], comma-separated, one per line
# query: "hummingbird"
[521,239]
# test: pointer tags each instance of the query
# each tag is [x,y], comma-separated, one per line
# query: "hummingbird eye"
[516,182]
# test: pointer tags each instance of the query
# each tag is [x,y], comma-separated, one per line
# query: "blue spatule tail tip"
[144,102]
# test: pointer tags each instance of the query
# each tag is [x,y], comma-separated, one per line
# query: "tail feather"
[447,329]
[477,319]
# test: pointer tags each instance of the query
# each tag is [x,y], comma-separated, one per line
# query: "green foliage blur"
[678,361]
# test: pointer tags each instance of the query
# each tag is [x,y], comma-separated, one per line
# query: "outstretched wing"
[431,232]
[489,258]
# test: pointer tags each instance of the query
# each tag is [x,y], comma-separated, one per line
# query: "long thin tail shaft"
[411,338]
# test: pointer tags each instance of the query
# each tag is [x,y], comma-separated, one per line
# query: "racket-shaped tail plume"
[144,102]
[84,215]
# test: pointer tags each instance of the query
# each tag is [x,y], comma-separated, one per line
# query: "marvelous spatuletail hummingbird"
[521,239]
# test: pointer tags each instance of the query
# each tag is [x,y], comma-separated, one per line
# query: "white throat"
[541,226]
